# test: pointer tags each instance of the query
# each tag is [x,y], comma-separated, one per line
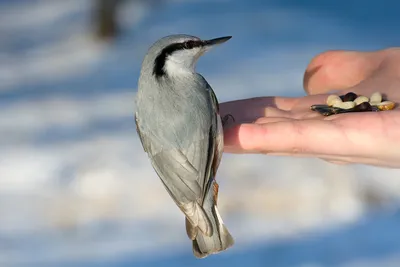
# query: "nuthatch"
[178,122]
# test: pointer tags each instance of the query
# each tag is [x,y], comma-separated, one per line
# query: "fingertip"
[337,70]
[243,138]
[316,76]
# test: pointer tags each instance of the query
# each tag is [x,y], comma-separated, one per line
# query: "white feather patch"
[197,217]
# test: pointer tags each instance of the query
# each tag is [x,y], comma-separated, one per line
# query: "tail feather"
[220,239]
[191,231]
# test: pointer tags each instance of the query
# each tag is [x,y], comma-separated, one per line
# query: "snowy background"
[76,188]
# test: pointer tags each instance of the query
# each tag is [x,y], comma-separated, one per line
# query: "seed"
[361,99]
[364,106]
[324,110]
[332,99]
[375,98]
[345,105]
[386,105]
[318,106]
[348,97]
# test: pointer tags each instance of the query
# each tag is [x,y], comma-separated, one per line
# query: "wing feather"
[183,173]
[184,165]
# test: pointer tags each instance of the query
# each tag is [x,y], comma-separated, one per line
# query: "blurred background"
[76,188]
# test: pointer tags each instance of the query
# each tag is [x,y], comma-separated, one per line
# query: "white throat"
[182,62]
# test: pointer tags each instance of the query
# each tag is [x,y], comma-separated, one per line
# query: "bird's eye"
[189,44]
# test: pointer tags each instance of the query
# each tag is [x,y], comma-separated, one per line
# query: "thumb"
[338,70]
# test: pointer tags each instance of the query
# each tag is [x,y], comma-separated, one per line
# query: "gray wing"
[219,138]
[184,170]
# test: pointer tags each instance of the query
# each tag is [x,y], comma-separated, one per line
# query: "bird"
[180,128]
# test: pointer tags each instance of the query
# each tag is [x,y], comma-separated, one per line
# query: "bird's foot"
[226,118]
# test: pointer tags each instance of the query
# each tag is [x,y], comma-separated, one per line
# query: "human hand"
[287,126]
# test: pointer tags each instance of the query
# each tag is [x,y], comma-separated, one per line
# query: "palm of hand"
[286,126]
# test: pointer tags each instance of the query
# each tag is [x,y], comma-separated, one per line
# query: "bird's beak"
[217,41]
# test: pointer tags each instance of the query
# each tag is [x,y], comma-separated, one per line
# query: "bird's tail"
[220,238]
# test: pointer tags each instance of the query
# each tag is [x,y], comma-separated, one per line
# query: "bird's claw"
[226,118]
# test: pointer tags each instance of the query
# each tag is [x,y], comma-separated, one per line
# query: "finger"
[248,110]
[341,160]
[306,115]
[351,135]
[329,158]
[265,120]
[336,162]
[271,112]
[292,136]
[336,70]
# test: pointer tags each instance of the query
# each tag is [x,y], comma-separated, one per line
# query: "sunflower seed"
[364,106]
[375,98]
[345,105]
[348,97]
[361,99]
[332,99]
[386,105]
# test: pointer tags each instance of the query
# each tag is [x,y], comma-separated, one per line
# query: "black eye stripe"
[159,62]
[192,44]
